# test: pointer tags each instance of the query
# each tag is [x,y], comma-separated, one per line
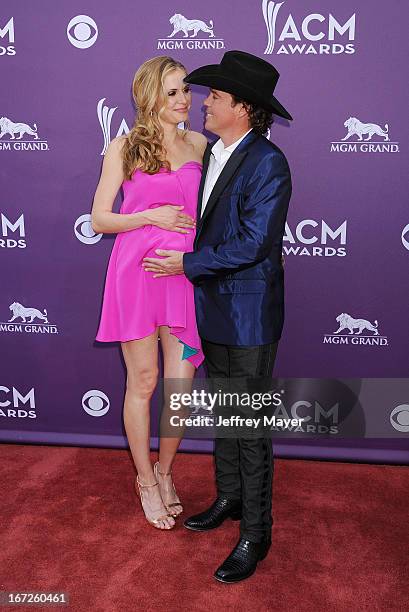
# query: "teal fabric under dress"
[188,351]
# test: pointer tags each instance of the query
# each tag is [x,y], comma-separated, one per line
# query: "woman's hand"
[168,217]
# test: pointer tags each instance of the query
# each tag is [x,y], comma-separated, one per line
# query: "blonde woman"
[159,167]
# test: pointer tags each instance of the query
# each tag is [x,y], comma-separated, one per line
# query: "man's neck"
[228,138]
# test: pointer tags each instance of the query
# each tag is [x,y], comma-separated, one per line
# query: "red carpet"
[71,522]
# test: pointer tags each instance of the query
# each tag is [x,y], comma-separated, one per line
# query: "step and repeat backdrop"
[66,74]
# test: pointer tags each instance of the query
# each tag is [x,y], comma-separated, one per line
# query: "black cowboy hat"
[244,75]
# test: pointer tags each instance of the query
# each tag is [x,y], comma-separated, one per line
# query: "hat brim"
[212,76]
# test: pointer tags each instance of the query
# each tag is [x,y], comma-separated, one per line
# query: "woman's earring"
[151,113]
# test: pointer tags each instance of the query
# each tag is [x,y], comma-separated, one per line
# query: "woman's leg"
[184,371]
[141,359]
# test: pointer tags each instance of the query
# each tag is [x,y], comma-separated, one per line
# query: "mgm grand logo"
[190,34]
[20,136]
[358,138]
[355,331]
[28,320]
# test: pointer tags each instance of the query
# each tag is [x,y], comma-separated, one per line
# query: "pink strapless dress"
[135,303]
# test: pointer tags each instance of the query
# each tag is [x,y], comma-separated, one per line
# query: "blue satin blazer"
[236,264]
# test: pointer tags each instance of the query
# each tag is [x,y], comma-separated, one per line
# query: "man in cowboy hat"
[236,269]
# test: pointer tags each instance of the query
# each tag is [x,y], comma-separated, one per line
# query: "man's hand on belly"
[171,263]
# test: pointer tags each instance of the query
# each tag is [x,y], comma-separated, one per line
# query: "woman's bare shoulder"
[113,154]
[198,140]
[116,144]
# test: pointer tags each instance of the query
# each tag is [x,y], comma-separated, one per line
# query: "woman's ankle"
[146,478]
[164,469]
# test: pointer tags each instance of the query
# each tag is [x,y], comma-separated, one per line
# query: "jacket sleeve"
[262,225]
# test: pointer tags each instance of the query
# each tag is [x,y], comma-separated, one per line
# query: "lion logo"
[24,313]
[347,322]
[7,126]
[181,24]
[357,128]
[197,407]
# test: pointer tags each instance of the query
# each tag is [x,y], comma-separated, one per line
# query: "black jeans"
[244,466]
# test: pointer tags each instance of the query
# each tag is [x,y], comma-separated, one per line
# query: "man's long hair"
[260,120]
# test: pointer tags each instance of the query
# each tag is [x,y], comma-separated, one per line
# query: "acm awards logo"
[356,331]
[7,33]
[190,34]
[20,136]
[291,38]
[314,417]
[16,405]
[314,239]
[105,114]
[12,234]
[364,138]
[28,320]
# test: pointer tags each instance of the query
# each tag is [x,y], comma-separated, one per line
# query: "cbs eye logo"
[399,418]
[84,232]
[80,31]
[95,403]
[405,236]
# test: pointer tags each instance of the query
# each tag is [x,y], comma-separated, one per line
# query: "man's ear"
[242,111]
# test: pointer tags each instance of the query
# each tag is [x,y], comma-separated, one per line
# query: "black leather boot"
[242,561]
[218,512]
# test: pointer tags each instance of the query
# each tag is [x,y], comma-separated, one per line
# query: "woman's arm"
[104,221]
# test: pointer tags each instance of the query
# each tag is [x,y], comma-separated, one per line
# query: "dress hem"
[192,358]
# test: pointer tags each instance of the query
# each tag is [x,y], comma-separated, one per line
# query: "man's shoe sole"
[262,557]
[236,580]
[235,516]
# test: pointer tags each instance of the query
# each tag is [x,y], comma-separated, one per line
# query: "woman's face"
[177,98]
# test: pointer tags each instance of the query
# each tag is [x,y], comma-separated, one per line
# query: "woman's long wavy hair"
[143,147]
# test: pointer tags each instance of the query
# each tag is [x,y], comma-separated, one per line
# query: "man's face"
[220,114]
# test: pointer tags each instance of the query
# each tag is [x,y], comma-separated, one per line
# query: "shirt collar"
[222,153]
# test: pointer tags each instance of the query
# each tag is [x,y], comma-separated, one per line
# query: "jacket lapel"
[228,171]
[205,167]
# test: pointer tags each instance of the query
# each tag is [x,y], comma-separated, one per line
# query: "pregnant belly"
[143,242]
[158,238]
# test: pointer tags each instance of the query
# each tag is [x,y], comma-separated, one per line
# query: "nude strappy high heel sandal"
[165,494]
[155,522]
